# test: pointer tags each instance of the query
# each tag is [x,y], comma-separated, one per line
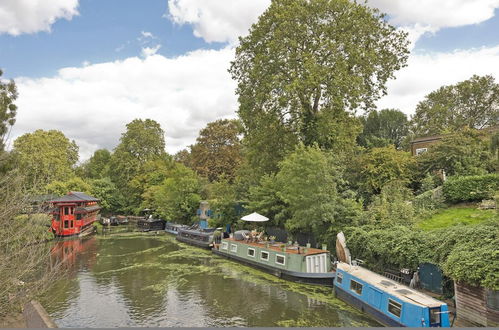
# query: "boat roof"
[276,247]
[75,196]
[403,292]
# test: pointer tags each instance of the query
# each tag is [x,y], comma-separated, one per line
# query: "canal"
[139,280]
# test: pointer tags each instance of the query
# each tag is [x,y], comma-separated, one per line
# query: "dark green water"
[145,280]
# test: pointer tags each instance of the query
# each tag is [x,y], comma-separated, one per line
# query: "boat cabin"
[73,214]
[390,302]
[151,224]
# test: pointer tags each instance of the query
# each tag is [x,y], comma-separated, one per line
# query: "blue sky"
[88,67]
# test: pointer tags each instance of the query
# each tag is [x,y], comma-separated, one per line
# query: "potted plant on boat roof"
[272,239]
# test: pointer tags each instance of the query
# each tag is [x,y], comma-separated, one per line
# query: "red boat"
[73,214]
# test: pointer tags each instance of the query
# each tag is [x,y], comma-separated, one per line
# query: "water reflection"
[145,280]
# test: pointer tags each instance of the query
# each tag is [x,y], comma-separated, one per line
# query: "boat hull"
[201,244]
[89,230]
[308,278]
[363,306]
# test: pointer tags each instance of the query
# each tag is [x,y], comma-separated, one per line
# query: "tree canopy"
[8,94]
[45,156]
[473,103]
[305,62]
[217,150]
[382,128]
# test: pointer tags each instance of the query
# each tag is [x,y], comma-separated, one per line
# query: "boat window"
[394,307]
[356,287]
[66,223]
[78,216]
[434,317]
[66,210]
[233,248]
[493,299]
[72,224]
[251,252]
[264,256]
[339,278]
[225,245]
[280,259]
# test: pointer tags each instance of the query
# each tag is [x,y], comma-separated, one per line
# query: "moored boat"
[151,224]
[389,302]
[296,263]
[201,237]
[173,228]
[74,214]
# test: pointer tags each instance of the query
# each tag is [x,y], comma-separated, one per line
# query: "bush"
[470,188]
[429,201]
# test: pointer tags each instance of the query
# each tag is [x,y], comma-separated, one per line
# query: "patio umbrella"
[254,217]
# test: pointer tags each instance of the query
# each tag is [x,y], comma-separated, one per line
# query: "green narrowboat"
[296,263]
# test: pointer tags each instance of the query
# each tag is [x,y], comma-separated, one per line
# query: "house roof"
[427,138]
[75,196]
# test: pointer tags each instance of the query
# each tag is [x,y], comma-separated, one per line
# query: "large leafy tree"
[45,156]
[309,182]
[303,64]
[473,103]
[217,150]
[142,142]
[97,167]
[382,128]
[8,94]
[463,153]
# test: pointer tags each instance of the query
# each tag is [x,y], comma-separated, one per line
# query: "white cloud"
[149,51]
[31,16]
[217,20]
[427,72]
[92,104]
[146,34]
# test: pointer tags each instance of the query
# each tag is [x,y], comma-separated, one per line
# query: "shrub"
[470,188]
[429,201]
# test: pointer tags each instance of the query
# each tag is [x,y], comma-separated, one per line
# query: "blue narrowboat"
[389,302]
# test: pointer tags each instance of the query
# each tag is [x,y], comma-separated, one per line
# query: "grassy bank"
[456,216]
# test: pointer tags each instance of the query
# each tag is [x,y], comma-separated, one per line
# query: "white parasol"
[255,217]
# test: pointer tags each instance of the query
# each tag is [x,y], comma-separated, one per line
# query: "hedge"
[470,188]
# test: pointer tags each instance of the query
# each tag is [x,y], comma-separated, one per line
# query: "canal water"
[139,280]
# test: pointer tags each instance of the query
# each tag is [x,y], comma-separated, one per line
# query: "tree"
[380,166]
[143,141]
[264,199]
[308,183]
[222,199]
[8,94]
[178,197]
[388,126]
[45,156]
[97,167]
[303,64]
[217,150]
[473,103]
[61,188]
[463,153]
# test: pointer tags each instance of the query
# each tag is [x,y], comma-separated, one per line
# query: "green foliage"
[466,152]
[471,188]
[143,141]
[454,217]
[8,94]
[61,188]
[97,167]
[392,206]
[305,62]
[110,199]
[383,128]
[380,166]
[308,183]
[222,199]
[45,156]
[473,103]
[428,202]
[178,197]
[217,150]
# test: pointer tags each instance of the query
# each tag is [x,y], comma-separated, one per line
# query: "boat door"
[316,263]
[435,317]
[67,220]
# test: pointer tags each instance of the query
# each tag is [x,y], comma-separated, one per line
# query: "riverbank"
[13,321]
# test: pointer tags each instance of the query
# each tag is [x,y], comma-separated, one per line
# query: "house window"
[233,248]
[251,252]
[419,151]
[356,287]
[394,307]
[339,278]
[225,245]
[264,255]
[280,259]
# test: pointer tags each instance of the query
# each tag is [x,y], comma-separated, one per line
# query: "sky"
[89,67]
